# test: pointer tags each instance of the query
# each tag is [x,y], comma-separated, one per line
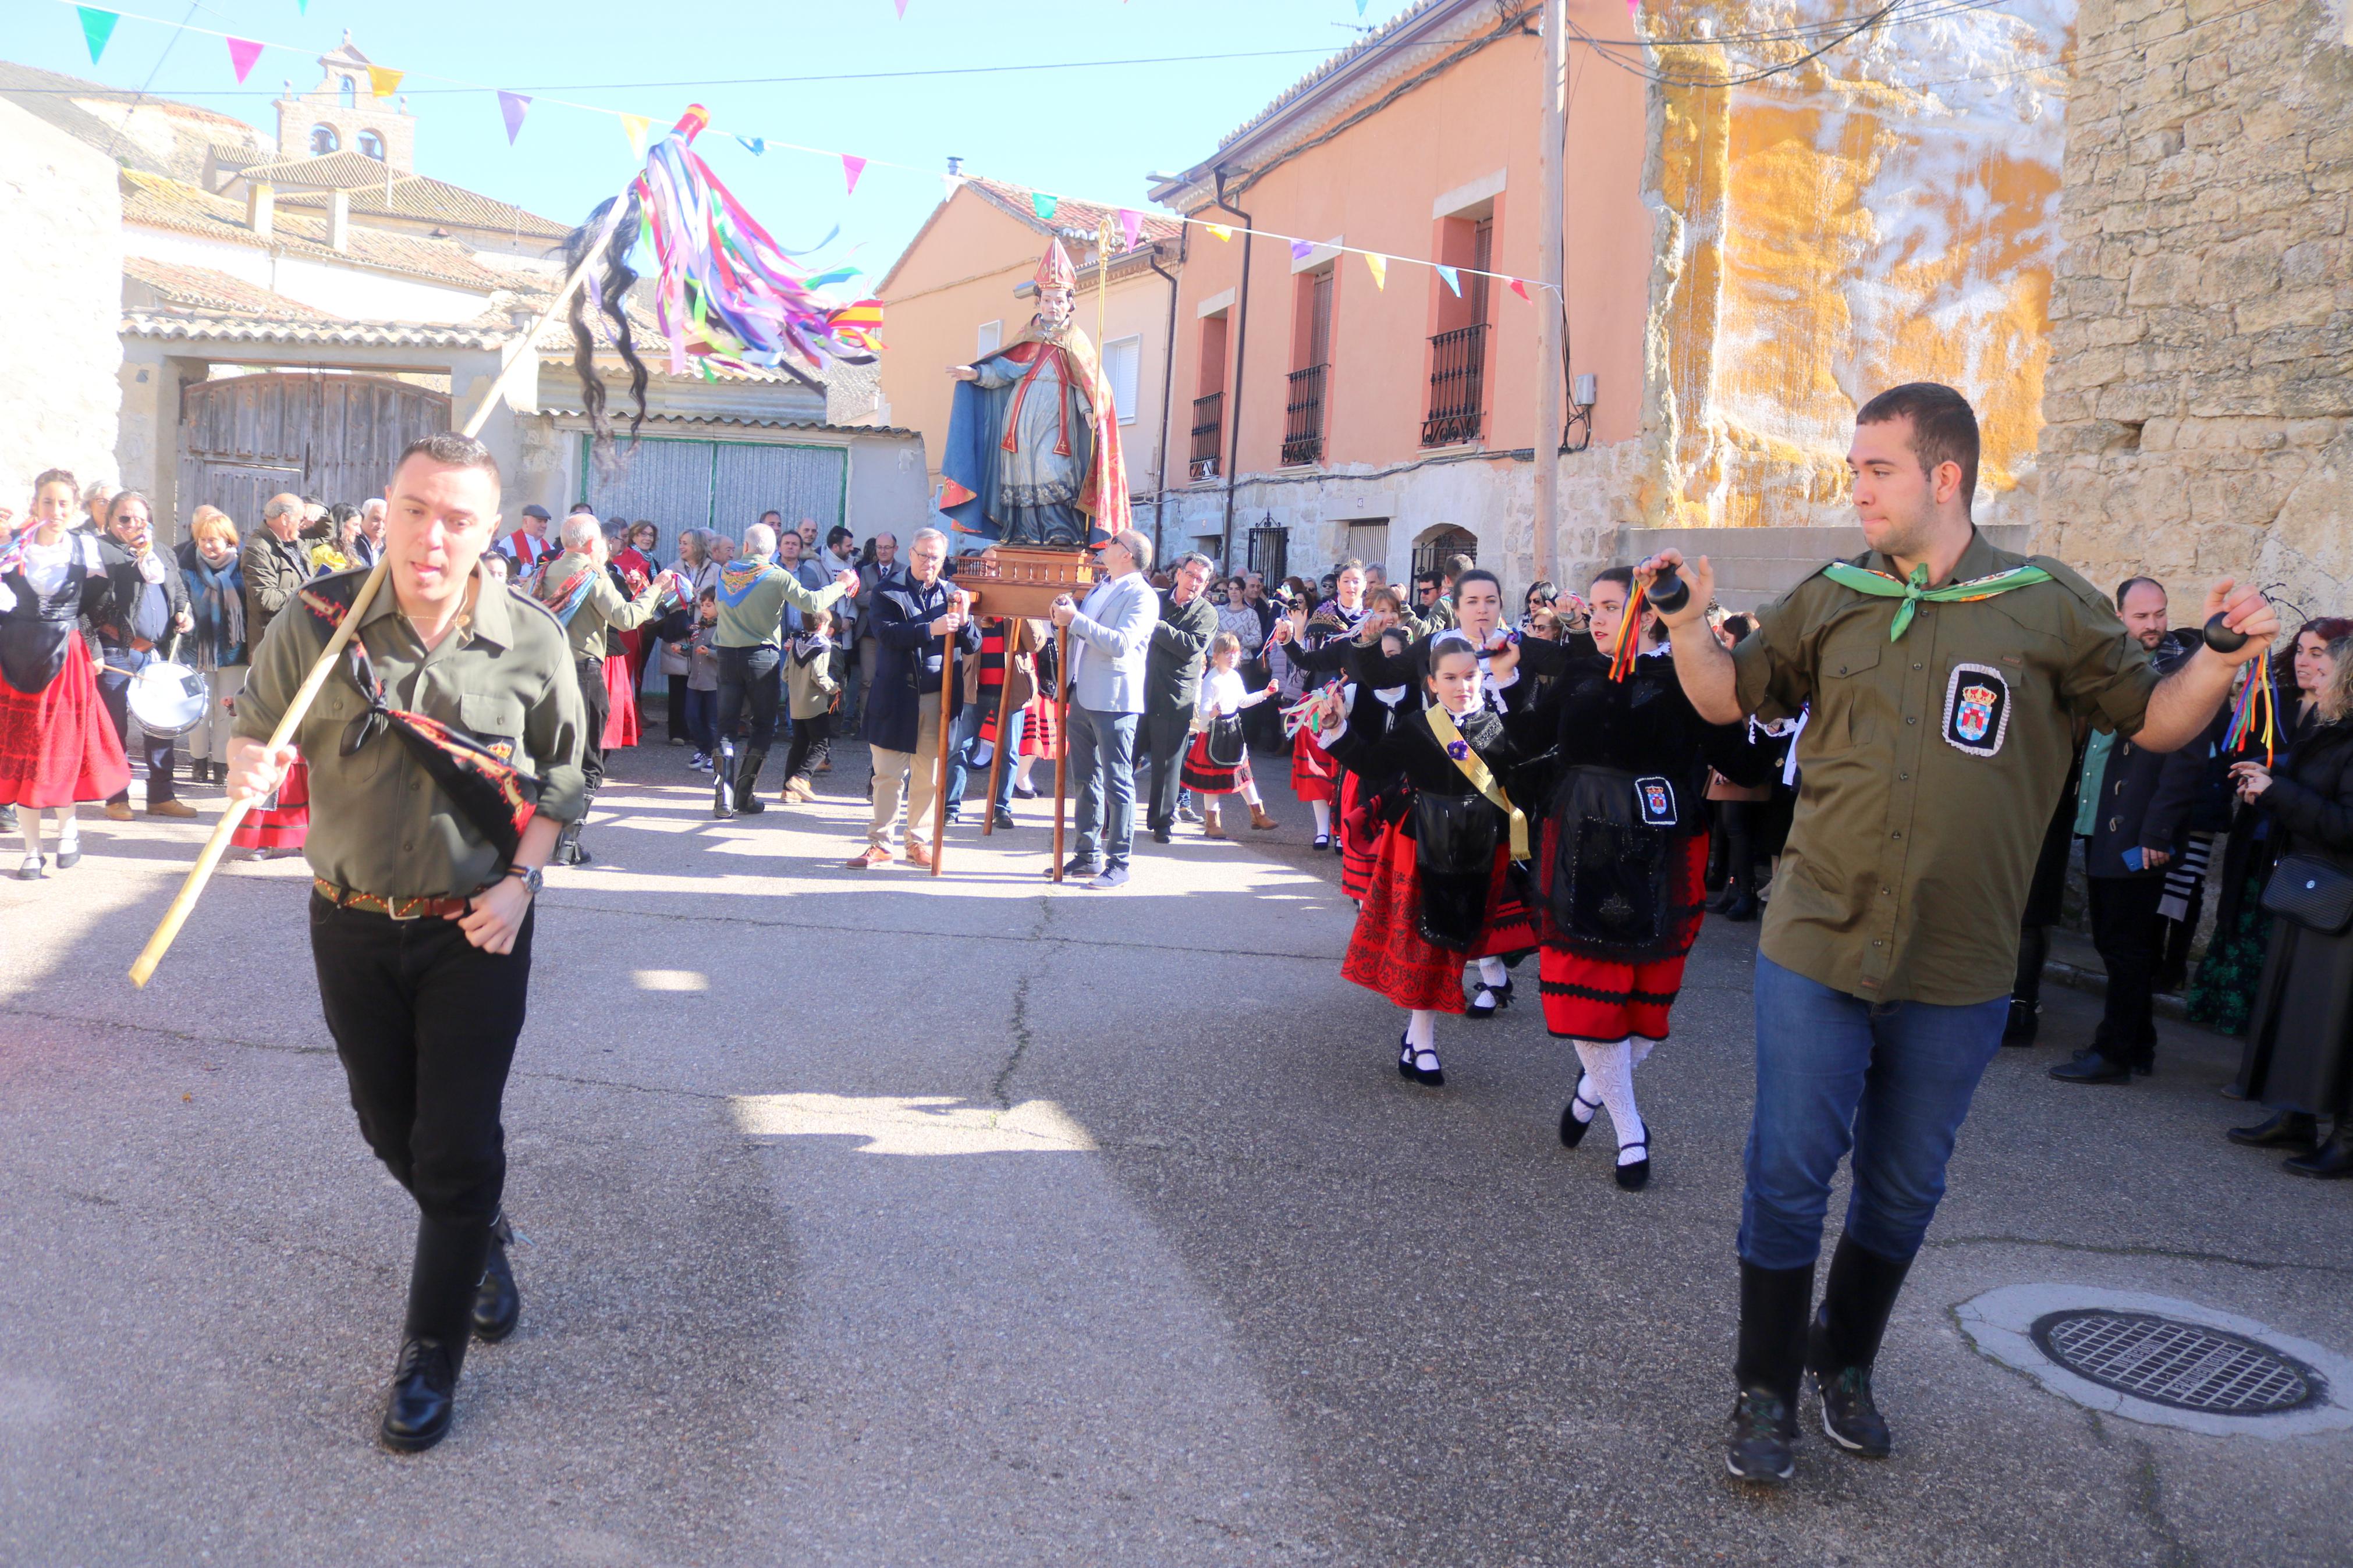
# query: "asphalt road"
[882,1219]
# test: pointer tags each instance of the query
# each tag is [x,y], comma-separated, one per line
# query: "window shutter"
[1122,362]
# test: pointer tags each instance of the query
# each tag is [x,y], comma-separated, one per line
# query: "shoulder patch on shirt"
[1976,709]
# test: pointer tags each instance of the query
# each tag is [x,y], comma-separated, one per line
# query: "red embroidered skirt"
[57,745]
[1313,774]
[1590,998]
[1360,838]
[1207,777]
[283,825]
[1387,954]
[620,703]
[1042,732]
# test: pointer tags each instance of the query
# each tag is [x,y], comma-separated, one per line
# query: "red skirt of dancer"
[1313,774]
[1387,952]
[281,826]
[1201,775]
[1041,730]
[1360,838]
[1589,998]
[57,745]
[621,703]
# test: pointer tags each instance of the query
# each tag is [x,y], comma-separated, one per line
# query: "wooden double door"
[246,438]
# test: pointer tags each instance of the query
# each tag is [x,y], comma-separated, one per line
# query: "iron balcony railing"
[1208,427]
[1303,430]
[1457,380]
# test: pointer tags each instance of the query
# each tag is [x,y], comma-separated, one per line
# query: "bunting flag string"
[97,27]
[384,81]
[513,107]
[1300,249]
[1221,230]
[1131,223]
[1452,278]
[242,53]
[851,167]
[756,146]
[635,126]
[1520,288]
[1043,205]
[1379,267]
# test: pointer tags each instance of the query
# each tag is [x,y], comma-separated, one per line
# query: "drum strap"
[1482,778]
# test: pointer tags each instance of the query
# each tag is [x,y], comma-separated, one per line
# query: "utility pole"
[1552,307]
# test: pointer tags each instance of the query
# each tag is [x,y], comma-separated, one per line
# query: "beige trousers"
[921,767]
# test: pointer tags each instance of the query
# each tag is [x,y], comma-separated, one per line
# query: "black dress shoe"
[2093,1066]
[1490,1000]
[2288,1130]
[1635,1174]
[1572,1131]
[497,1303]
[1743,909]
[2025,1020]
[1850,1417]
[1160,836]
[424,1398]
[2330,1162]
[1763,1443]
[1004,818]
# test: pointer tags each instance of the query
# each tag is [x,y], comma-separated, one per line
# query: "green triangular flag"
[1044,204]
[97,27]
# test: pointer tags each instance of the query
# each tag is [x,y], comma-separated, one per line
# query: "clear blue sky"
[1089,133]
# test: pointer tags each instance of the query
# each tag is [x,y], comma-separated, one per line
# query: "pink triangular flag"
[514,106]
[851,167]
[1131,223]
[902,8]
[242,53]
[1519,288]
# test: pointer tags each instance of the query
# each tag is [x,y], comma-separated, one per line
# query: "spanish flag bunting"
[242,53]
[1520,288]
[383,82]
[851,167]
[97,27]
[1379,267]
[635,126]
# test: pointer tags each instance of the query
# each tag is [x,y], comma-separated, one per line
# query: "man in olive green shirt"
[421,909]
[753,593]
[579,592]
[1940,678]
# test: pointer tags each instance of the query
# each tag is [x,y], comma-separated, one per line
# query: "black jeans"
[1168,733]
[114,690]
[2126,930]
[425,1023]
[812,738]
[599,705]
[747,677]
[679,728]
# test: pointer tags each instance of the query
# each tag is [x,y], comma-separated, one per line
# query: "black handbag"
[2316,894]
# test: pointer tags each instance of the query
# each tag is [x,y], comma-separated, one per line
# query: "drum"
[168,700]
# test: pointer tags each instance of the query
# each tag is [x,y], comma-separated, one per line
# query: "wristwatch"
[530,875]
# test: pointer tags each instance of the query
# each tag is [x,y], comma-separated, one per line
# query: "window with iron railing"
[1208,434]
[1303,426]
[1458,381]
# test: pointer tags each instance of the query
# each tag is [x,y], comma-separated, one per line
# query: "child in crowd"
[1217,761]
[703,679]
[808,677]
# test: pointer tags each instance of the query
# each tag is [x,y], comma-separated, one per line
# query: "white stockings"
[1323,809]
[1609,1078]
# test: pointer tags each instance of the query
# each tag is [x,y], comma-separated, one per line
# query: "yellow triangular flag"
[635,126]
[1380,266]
[1221,230]
[383,83]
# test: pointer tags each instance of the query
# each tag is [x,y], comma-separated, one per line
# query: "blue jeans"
[1103,758]
[966,741]
[702,720]
[1891,1080]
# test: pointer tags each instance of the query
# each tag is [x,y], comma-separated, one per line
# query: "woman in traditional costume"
[1318,645]
[1217,758]
[57,746]
[1444,889]
[1623,860]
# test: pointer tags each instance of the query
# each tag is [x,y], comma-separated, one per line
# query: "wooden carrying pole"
[1061,737]
[1014,630]
[143,968]
[940,764]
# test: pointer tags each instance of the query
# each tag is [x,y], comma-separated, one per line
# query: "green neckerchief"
[1886,585]
[2095,775]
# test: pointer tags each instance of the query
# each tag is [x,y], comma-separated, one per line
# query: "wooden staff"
[1016,629]
[142,968]
[1062,738]
[940,764]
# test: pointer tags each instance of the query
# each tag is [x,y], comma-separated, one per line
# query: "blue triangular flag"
[1454,281]
[756,146]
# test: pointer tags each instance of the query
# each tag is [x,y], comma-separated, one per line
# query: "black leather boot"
[723,780]
[1763,1441]
[2297,1130]
[1844,1343]
[747,781]
[451,1256]
[497,1303]
[2332,1160]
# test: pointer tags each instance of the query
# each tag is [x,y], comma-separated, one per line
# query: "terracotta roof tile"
[201,288]
[1070,214]
[161,203]
[416,196]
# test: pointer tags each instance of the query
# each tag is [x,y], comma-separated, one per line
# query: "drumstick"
[143,968]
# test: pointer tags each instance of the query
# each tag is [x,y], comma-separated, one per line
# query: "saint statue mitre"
[1056,279]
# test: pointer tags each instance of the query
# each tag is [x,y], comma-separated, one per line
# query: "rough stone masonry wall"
[62,274]
[2198,401]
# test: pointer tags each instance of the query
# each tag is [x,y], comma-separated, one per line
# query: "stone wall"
[2199,402]
[61,272]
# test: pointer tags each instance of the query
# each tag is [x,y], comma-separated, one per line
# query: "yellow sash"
[1482,777]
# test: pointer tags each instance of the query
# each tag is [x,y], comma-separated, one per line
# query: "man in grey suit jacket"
[1109,636]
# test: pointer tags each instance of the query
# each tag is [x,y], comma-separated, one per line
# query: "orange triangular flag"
[383,83]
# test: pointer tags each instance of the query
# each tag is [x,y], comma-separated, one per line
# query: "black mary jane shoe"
[2297,1130]
[1635,1174]
[1490,1000]
[2333,1161]
[1323,841]
[1572,1131]
[424,1398]
[31,870]
[1410,1058]
[497,1305]
[1762,1445]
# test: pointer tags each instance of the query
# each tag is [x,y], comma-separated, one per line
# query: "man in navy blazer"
[1110,634]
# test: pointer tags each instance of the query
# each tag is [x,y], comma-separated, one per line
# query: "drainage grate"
[2189,1366]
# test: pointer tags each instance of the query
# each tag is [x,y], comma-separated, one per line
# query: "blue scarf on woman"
[216,600]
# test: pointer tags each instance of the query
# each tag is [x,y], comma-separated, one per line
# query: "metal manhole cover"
[2187,1366]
